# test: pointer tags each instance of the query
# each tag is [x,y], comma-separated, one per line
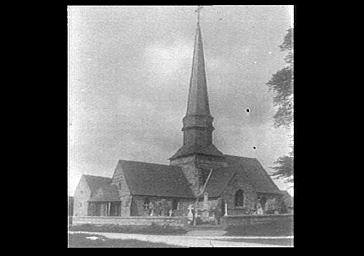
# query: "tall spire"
[198,102]
[197,124]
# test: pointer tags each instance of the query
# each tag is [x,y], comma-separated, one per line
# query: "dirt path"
[194,240]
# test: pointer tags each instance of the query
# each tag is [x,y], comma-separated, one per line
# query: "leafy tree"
[281,84]
[284,168]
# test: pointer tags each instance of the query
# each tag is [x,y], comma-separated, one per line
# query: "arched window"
[239,198]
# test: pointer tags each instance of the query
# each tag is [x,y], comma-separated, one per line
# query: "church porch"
[103,208]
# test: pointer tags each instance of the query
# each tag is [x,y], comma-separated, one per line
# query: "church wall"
[81,195]
[189,170]
[196,136]
[118,179]
[191,166]
[208,162]
[250,196]
[125,205]
[192,175]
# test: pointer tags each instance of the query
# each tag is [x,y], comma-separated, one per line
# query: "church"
[199,176]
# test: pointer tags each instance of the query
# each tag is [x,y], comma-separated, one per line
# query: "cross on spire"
[198,10]
[197,123]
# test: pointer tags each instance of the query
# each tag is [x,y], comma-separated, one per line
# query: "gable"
[119,180]
[82,189]
[95,182]
[253,173]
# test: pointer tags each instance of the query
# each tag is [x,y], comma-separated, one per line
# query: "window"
[239,198]
[174,204]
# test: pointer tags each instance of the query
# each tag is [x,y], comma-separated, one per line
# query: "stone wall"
[119,180]
[254,219]
[130,221]
[125,205]
[138,205]
[81,196]
[250,196]
[273,201]
[189,170]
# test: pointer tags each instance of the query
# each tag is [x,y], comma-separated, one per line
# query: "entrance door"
[97,209]
[115,209]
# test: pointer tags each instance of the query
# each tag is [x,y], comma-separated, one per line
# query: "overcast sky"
[129,71]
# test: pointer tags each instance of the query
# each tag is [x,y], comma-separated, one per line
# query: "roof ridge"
[240,156]
[133,161]
[89,175]
[268,176]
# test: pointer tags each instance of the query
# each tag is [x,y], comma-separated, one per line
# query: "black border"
[50,184]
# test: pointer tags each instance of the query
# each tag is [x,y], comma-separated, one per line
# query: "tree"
[281,84]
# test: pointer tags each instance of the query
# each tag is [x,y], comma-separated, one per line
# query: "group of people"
[158,209]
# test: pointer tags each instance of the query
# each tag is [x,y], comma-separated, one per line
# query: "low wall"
[130,221]
[242,220]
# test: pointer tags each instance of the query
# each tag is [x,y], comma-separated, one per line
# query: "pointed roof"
[254,173]
[187,150]
[198,103]
[250,168]
[96,182]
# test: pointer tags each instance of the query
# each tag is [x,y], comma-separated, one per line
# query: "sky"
[129,71]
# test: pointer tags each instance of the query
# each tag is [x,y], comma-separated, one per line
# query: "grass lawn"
[81,241]
[281,242]
[152,230]
[278,228]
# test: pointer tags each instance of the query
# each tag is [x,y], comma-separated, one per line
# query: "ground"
[98,239]
[86,240]
[275,234]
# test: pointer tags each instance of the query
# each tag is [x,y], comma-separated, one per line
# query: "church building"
[199,176]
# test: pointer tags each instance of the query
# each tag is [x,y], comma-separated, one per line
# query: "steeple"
[197,123]
[198,102]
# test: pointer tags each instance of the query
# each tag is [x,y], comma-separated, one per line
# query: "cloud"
[167,63]
[129,77]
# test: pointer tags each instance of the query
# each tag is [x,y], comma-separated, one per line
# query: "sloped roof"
[254,173]
[106,193]
[186,150]
[287,198]
[96,182]
[154,179]
[219,180]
